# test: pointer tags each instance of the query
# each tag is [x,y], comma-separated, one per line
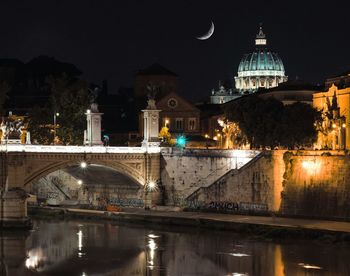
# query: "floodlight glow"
[152,185]
[80,182]
[83,165]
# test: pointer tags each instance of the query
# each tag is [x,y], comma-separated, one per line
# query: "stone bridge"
[23,164]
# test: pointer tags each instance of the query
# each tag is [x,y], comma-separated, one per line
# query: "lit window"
[192,123]
[179,123]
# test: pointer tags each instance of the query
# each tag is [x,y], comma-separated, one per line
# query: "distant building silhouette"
[28,81]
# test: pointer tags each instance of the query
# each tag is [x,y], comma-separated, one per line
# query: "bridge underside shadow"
[95,186]
[21,169]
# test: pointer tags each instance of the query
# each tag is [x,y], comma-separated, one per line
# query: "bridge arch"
[133,171]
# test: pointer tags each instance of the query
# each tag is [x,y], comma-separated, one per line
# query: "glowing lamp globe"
[181,141]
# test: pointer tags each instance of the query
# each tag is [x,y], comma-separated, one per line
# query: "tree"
[268,123]
[233,135]
[70,97]
[258,119]
[298,125]
[165,135]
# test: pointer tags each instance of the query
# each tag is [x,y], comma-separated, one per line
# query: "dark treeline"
[269,123]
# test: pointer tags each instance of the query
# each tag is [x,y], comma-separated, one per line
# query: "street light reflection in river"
[35,259]
[152,245]
[80,242]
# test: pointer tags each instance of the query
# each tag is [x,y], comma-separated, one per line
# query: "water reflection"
[88,248]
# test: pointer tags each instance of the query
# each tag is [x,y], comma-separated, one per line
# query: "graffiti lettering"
[194,204]
[126,202]
[52,195]
[223,206]
[235,206]
[253,207]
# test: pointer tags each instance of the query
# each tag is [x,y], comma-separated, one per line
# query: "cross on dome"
[260,37]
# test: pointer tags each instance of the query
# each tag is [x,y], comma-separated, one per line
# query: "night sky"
[113,39]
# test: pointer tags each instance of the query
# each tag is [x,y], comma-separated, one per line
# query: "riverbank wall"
[314,184]
[276,227]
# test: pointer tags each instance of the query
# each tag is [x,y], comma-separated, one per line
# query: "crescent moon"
[208,34]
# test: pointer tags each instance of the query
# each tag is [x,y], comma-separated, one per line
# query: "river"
[84,248]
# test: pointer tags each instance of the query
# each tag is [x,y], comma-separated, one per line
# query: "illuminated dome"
[260,69]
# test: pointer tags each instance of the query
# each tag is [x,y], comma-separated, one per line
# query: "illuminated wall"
[316,183]
[337,136]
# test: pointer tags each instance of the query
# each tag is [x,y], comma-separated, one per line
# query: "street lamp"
[55,115]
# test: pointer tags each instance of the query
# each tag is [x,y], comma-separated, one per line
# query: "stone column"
[93,131]
[151,125]
[153,190]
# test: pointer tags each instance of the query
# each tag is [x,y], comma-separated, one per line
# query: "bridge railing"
[75,149]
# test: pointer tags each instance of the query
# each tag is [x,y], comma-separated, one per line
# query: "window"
[192,123]
[179,124]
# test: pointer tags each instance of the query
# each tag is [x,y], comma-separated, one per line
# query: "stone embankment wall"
[184,171]
[252,188]
[301,183]
[3,170]
[317,184]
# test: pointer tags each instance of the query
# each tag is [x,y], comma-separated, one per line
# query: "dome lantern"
[260,38]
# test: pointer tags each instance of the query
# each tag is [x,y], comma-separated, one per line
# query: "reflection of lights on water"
[239,255]
[152,248]
[235,254]
[238,274]
[80,242]
[307,266]
[152,236]
[35,257]
[83,274]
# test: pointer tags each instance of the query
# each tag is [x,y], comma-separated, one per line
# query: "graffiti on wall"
[237,206]
[126,202]
[227,206]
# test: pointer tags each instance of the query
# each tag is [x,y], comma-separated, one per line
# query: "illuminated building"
[223,95]
[261,68]
[335,106]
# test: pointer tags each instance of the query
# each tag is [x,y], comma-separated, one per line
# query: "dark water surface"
[87,248]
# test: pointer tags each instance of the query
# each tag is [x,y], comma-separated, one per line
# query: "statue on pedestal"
[11,130]
[151,102]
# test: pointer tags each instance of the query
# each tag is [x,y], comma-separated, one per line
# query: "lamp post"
[166,123]
[55,115]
